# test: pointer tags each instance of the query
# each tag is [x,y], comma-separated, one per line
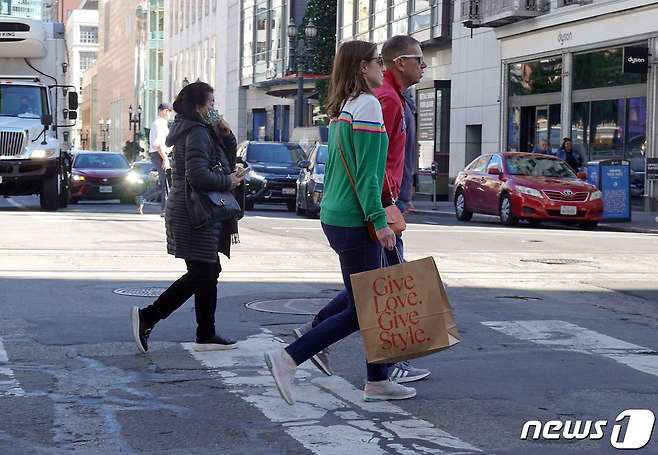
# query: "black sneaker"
[141,330]
[215,343]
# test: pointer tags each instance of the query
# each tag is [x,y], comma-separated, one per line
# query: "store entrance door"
[540,128]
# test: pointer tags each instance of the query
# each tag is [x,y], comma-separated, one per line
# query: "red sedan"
[526,186]
[103,175]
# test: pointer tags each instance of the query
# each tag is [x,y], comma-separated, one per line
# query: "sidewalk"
[645,222]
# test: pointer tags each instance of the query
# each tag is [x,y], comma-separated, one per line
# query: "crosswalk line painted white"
[9,386]
[330,417]
[564,336]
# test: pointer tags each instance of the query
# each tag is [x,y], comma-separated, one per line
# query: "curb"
[602,227]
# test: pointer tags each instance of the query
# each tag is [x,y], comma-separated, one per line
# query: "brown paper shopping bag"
[403,311]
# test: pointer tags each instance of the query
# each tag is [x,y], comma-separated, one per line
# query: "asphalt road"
[556,325]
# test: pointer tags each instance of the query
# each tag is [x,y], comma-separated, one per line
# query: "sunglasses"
[419,58]
[377,59]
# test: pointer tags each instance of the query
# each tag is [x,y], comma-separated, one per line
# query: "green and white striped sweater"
[362,136]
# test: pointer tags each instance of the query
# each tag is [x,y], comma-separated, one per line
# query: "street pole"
[300,86]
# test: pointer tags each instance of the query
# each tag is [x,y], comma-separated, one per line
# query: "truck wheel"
[50,189]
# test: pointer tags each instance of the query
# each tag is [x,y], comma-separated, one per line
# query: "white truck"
[37,111]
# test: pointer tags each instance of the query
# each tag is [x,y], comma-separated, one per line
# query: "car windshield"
[24,101]
[323,154]
[143,167]
[101,161]
[275,153]
[536,166]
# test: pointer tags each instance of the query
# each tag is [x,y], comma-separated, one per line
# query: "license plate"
[105,189]
[289,191]
[568,210]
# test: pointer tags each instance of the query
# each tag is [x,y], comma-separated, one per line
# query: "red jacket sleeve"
[393,112]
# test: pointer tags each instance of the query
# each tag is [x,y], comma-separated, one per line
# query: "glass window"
[381,12]
[275,153]
[531,78]
[495,162]
[555,125]
[603,69]
[363,20]
[87,60]
[538,166]
[380,35]
[400,9]
[607,138]
[480,164]
[514,129]
[89,35]
[421,21]
[348,13]
[400,27]
[541,126]
[421,5]
[23,101]
[322,155]
[101,161]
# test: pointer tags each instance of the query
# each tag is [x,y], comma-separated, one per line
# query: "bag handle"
[384,261]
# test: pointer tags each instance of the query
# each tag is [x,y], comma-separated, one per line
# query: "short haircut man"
[397,46]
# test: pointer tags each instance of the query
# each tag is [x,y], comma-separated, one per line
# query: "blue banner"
[615,184]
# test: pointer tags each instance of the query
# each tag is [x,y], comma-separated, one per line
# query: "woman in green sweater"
[352,199]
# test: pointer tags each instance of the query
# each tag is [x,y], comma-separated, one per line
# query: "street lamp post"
[297,46]
[104,126]
[135,120]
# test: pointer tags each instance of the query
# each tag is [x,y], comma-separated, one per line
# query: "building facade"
[29,9]
[82,42]
[557,69]
[119,74]
[154,64]
[61,10]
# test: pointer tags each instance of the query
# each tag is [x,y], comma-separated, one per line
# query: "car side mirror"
[240,160]
[304,164]
[73,101]
[46,120]
[582,175]
[493,171]
[73,115]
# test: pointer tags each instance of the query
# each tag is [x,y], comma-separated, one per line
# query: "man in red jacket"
[405,66]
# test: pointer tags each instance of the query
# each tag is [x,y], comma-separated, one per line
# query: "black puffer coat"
[196,146]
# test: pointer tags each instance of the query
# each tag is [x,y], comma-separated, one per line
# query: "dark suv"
[274,168]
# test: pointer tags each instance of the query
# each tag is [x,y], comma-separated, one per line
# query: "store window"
[536,77]
[603,68]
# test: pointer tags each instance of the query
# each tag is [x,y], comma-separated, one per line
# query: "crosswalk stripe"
[9,386]
[564,336]
[330,417]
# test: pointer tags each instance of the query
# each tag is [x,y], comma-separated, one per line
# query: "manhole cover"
[140,292]
[556,261]
[289,306]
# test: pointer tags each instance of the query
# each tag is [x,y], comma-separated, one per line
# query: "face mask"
[213,117]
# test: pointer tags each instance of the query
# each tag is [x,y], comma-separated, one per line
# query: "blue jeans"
[356,253]
[341,301]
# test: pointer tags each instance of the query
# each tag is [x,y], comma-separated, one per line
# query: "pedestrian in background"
[544,148]
[205,162]
[569,155]
[159,152]
[353,182]
[405,65]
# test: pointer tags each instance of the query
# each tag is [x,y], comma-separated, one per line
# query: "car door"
[473,186]
[491,186]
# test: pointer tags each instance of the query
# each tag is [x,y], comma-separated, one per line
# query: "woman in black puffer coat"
[207,154]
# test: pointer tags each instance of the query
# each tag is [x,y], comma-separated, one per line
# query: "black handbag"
[207,206]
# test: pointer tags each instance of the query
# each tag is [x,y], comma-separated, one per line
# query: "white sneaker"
[281,366]
[387,390]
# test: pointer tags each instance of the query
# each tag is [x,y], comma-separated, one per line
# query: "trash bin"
[613,179]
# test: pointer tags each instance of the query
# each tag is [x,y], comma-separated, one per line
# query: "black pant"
[200,281]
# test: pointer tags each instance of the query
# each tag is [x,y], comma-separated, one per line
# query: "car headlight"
[595,195]
[78,177]
[43,153]
[134,177]
[256,176]
[318,178]
[529,191]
